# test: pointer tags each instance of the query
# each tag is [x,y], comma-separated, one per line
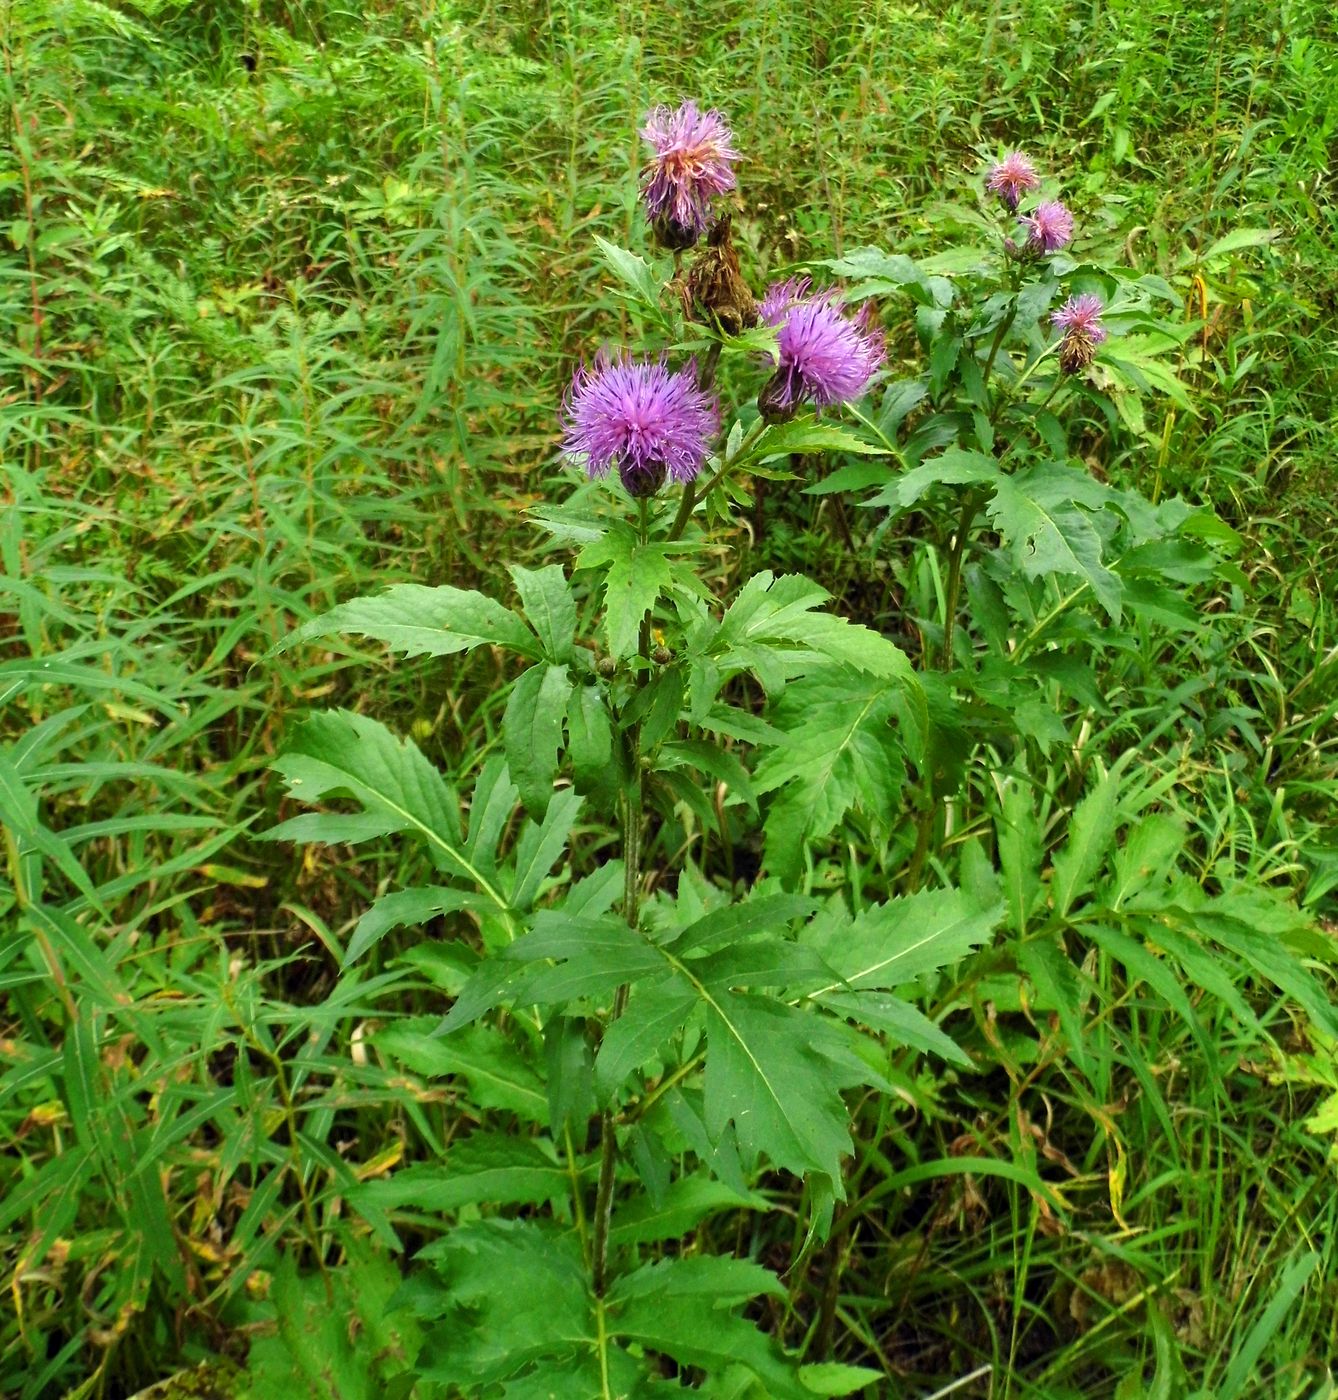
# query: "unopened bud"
[662,656]
[642,481]
[606,666]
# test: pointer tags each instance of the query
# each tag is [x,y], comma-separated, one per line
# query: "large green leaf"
[890,945]
[776,1073]
[1046,514]
[515,1295]
[775,619]
[338,753]
[684,1308]
[841,754]
[421,621]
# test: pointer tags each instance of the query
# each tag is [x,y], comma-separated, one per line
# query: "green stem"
[633,829]
[692,493]
[970,506]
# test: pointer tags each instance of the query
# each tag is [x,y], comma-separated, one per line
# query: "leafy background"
[292,295]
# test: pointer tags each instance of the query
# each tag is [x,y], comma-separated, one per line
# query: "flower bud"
[642,479]
[607,667]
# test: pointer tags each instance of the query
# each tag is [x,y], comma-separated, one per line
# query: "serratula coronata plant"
[659,986]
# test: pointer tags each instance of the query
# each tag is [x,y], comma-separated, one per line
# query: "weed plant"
[294,297]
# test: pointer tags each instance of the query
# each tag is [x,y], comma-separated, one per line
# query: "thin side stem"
[970,507]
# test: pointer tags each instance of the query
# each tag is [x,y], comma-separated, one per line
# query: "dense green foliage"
[292,295]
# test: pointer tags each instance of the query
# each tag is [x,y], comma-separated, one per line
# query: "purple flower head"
[824,353]
[691,164]
[1011,178]
[1049,227]
[1081,315]
[1080,320]
[640,416]
[779,298]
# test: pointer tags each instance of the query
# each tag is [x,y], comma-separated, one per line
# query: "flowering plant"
[660,1025]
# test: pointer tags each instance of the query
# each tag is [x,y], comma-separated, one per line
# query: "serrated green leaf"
[1040,513]
[901,1022]
[549,608]
[680,1307]
[497,1074]
[590,957]
[541,846]
[776,616]
[890,945]
[767,913]
[1090,843]
[1019,842]
[807,435]
[532,733]
[634,272]
[653,1014]
[777,1074]
[406,908]
[683,1207]
[516,1294]
[635,576]
[841,754]
[340,752]
[953,467]
[487,1168]
[420,621]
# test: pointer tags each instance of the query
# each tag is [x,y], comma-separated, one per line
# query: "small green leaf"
[532,733]
[805,436]
[835,1378]
[634,272]
[549,607]
[635,576]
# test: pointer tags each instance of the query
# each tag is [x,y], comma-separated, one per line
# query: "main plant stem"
[633,826]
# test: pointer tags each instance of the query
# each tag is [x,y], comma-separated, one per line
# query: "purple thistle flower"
[690,165]
[1011,178]
[640,416]
[779,298]
[824,353]
[1049,227]
[1080,320]
[1081,315]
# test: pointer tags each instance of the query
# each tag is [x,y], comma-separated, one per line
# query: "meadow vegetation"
[293,293]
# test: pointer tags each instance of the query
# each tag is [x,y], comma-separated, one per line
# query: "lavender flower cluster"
[656,424]
[653,423]
[1047,229]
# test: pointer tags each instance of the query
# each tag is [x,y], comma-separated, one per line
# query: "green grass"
[292,295]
